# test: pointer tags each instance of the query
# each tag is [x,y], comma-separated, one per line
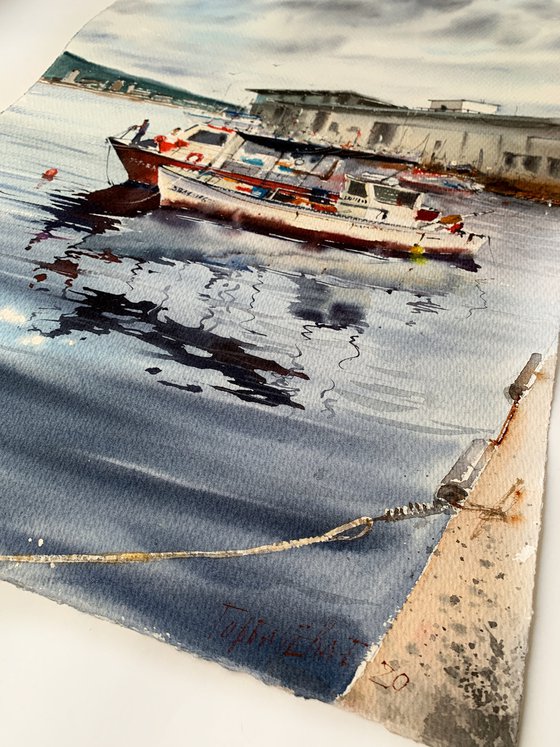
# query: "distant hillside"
[74,70]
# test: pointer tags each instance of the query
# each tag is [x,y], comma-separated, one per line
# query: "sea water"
[170,383]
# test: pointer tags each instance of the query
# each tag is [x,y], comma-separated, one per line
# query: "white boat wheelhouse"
[376,201]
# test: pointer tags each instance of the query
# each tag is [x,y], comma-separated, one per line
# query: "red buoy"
[50,174]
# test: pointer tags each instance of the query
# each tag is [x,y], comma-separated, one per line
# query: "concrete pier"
[450,670]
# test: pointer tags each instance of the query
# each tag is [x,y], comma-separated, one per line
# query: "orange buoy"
[50,174]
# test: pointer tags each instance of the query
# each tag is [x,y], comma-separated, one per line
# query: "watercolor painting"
[280,299]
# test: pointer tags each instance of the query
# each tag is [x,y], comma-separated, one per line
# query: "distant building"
[321,98]
[91,83]
[509,148]
[463,105]
[71,76]
[74,70]
[142,93]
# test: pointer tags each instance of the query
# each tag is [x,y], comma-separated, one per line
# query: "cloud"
[445,6]
[130,7]
[361,10]
[98,37]
[546,9]
[553,43]
[394,49]
[356,11]
[304,45]
[482,25]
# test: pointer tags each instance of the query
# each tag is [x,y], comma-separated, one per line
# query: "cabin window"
[532,163]
[437,145]
[407,199]
[509,160]
[357,189]
[209,138]
[320,196]
[333,127]
[387,195]
[554,167]
[287,197]
[392,196]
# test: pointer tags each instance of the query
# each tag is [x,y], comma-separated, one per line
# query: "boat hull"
[302,223]
[142,165]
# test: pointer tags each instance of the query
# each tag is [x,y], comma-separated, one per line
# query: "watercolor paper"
[278,322]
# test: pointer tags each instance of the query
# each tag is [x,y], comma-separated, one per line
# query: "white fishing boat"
[364,215]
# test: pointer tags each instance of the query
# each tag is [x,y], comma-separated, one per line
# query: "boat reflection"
[192,293]
[95,212]
[103,313]
[329,306]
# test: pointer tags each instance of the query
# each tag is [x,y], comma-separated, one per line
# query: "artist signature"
[239,627]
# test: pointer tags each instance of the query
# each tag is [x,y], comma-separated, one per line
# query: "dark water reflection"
[99,312]
[318,304]
[96,212]
[102,313]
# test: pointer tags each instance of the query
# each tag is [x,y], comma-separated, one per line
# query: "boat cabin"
[373,200]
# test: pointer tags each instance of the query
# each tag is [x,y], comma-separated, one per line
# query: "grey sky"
[405,51]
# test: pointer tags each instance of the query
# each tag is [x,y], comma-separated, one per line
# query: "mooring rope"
[111,182]
[343,533]
[109,149]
